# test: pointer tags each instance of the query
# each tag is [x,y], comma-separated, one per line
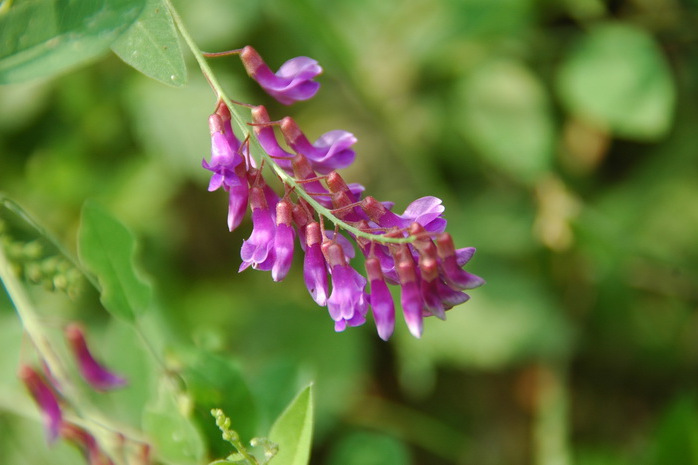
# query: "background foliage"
[561,136]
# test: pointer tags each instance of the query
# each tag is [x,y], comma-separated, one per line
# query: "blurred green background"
[561,136]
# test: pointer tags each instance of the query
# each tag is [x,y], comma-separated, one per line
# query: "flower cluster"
[411,249]
[47,393]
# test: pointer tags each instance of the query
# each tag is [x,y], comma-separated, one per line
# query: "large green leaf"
[506,115]
[293,430]
[618,78]
[43,37]
[151,45]
[106,248]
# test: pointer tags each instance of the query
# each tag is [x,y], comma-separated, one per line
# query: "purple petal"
[411,300]
[464,255]
[237,205]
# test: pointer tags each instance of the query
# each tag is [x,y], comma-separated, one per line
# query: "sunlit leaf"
[293,430]
[106,248]
[44,37]
[151,45]
[618,78]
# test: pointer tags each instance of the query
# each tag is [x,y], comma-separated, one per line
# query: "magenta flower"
[258,250]
[380,299]
[94,373]
[314,265]
[283,240]
[454,275]
[426,211]
[45,398]
[291,83]
[410,295]
[267,139]
[347,303]
[330,152]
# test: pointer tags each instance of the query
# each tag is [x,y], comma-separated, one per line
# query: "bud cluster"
[411,250]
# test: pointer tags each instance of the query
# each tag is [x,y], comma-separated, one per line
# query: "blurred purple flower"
[380,299]
[347,303]
[95,374]
[258,250]
[314,265]
[46,399]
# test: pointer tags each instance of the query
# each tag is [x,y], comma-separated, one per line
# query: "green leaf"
[176,438]
[107,248]
[618,78]
[151,45]
[216,382]
[44,37]
[506,116]
[293,430]
[369,449]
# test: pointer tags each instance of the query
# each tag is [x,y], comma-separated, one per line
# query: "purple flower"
[283,240]
[238,197]
[267,139]
[380,299]
[433,304]
[330,152]
[291,83]
[258,250]
[454,275]
[410,296]
[314,266]
[95,374]
[347,303]
[45,398]
[224,158]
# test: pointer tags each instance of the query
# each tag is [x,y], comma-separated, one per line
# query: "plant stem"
[244,128]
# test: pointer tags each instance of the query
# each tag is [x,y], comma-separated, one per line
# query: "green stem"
[244,128]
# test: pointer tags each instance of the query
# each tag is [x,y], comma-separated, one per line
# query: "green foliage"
[369,449]
[168,422]
[617,77]
[293,430]
[40,38]
[107,249]
[151,45]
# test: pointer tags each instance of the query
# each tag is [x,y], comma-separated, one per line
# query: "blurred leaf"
[677,438]
[369,449]
[106,248]
[486,18]
[293,430]
[176,438]
[617,77]
[41,38]
[216,382]
[506,116]
[151,45]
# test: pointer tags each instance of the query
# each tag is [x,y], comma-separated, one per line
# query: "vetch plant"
[315,211]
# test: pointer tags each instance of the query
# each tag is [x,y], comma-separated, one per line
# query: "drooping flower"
[410,293]
[258,250]
[380,299]
[291,83]
[283,240]
[455,276]
[427,212]
[347,303]
[46,399]
[92,371]
[330,152]
[314,265]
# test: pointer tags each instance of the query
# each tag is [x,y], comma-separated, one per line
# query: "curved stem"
[244,129]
